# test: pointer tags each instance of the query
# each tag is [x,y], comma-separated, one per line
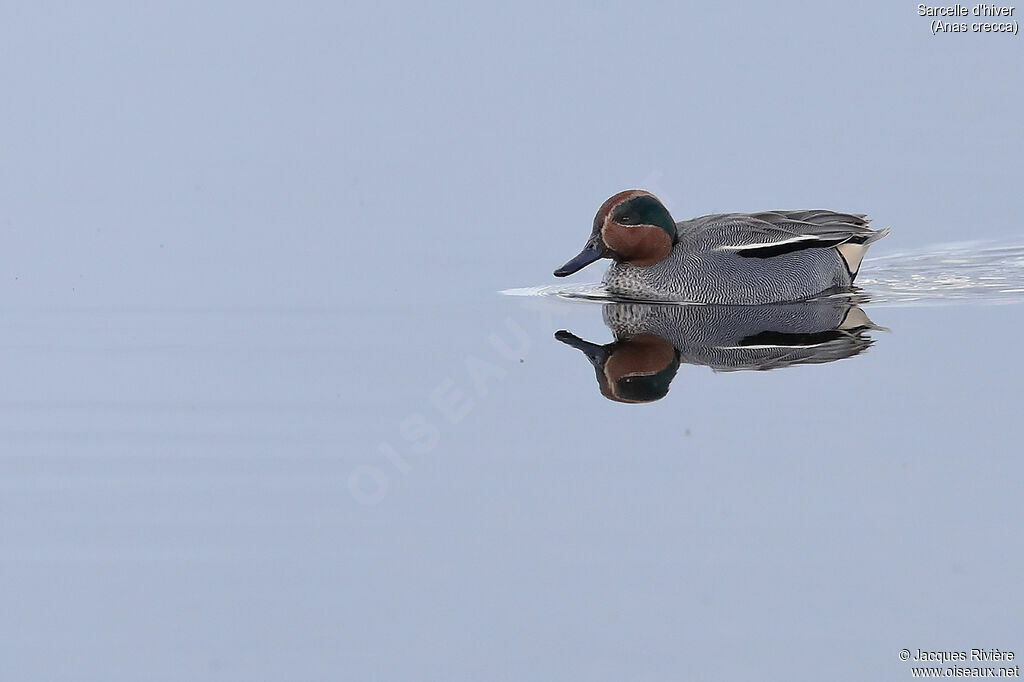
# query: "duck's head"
[634,370]
[632,227]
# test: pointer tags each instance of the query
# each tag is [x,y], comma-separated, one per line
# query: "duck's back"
[737,258]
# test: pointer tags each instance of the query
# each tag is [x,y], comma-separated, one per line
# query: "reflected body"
[728,258]
[652,340]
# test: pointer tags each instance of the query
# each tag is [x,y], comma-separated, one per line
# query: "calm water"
[265,413]
[442,492]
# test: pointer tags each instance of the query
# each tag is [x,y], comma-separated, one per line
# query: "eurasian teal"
[729,258]
[652,340]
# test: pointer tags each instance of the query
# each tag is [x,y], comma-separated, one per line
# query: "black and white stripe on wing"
[774,233]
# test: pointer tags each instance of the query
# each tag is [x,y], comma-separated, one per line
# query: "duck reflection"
[652,340]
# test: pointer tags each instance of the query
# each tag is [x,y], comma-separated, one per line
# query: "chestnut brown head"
[630,227]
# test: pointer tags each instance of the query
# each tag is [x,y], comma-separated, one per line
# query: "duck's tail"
[853,251]
[856,320]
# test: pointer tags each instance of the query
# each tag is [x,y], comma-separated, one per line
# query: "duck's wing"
[773,233]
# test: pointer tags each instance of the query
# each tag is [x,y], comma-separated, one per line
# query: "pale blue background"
[241,244]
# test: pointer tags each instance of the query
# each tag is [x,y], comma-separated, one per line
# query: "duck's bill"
[582,260]
[595,353]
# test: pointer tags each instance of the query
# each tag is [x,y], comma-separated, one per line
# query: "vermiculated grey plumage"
[735,258]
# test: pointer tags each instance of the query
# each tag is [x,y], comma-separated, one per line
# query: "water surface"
[264,416]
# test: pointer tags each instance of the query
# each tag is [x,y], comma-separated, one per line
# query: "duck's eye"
[626,220]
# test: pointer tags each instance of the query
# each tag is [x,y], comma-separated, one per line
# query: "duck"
[723,258]
[652,340]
